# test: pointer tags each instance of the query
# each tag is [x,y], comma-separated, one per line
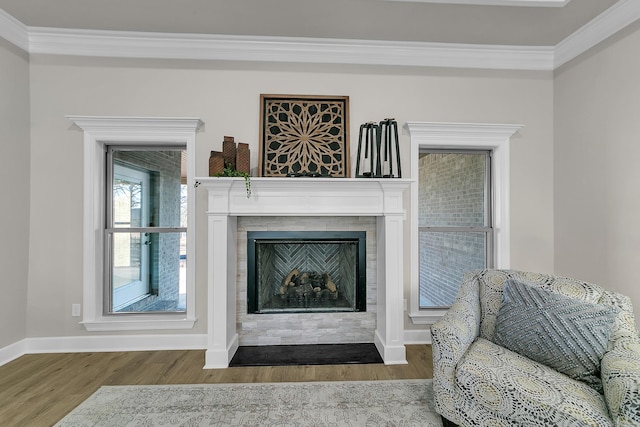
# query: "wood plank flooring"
[39,389]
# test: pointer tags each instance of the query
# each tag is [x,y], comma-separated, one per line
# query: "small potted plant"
[230,171]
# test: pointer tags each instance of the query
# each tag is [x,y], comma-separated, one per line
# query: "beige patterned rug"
[348,403]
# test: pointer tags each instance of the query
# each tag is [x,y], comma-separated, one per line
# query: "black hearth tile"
[314,354]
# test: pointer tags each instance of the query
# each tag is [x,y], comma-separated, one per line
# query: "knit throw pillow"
[567,334]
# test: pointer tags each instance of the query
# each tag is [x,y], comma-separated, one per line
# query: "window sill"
[426,317]
[138,324]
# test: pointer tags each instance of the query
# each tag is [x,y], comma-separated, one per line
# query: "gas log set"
[306,285]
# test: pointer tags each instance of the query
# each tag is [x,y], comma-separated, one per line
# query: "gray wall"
[225,95]
[574,198]
[596,158]
[14,193]
[574,174]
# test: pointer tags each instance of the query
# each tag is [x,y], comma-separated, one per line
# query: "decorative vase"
[216,163]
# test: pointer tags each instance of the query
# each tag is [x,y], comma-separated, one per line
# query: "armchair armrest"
[451,336]
[620,368]
[620,374]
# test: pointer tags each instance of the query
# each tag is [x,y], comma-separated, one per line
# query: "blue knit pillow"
[567,334]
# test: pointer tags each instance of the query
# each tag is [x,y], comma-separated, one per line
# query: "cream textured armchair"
[528,349]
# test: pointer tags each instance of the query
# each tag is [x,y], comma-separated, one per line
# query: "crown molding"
[14,31]
[612,20]
[131,44]
[286,49]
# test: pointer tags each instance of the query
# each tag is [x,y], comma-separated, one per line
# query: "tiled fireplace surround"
[299,204]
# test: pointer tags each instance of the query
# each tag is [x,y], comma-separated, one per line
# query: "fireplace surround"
[289,328]
[227,199]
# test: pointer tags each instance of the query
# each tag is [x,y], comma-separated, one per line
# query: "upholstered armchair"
[528,349]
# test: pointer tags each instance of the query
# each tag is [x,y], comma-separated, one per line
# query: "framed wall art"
[304,135]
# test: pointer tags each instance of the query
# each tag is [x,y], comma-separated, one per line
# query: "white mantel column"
[389,335]
[221,298]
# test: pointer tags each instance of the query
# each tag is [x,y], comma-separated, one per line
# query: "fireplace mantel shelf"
[305,196]
[288,197]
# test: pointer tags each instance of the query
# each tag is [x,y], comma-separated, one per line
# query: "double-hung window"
[146,228]
[455,221]
[456,228]
[138,239]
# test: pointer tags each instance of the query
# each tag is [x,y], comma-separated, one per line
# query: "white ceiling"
[533,28]
[343,19]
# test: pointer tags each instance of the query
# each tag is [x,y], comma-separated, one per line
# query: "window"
[145,233]
[430,136]
[454,221]
[138,265]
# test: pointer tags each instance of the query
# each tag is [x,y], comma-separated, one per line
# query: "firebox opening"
[306,271]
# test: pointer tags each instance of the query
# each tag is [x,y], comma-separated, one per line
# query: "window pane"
[444,258]
[452,190]
[126,260]
[149,272]
[130,276]
[183,205]
[148,189]
[147,268]
[453,197]
[128,207]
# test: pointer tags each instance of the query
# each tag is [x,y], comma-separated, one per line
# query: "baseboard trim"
[116,343]
[391,354]
[12,351]
[105,343]
[417,336]
[219,358]
[111,343]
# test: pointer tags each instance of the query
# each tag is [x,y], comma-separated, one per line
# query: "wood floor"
[39,389]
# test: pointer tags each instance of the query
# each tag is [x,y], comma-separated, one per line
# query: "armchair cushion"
[494,380]
[564,333]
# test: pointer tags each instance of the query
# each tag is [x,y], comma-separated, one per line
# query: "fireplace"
[229,210]
[306,271]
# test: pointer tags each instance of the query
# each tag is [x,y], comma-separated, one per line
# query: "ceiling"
[442,21]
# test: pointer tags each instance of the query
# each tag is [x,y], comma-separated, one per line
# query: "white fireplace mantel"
[305,196]
[227,200]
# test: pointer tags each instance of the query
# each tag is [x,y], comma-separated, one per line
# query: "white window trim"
[494,137]
[102,131]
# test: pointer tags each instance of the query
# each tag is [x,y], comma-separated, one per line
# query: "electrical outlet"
[75,310]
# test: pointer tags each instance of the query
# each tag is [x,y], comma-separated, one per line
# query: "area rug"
[344,403]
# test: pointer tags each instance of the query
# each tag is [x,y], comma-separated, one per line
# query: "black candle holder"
[389,156]
[368,161]
[378,150]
